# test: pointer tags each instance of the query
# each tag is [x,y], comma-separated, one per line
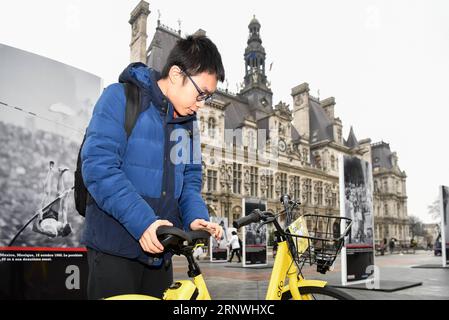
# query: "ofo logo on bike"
[280,287]
[245,146]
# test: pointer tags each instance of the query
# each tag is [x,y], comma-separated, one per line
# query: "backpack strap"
[133,107]
[132,112]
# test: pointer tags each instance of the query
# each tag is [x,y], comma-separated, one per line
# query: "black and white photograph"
[255,239]
[357,204]
[45,107]
[443,237]
[40,133]
[359,200]
[219,248]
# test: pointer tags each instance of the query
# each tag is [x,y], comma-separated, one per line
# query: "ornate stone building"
[390,194]
[303,141]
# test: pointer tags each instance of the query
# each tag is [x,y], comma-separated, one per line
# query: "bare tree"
[416,226]
[434,209]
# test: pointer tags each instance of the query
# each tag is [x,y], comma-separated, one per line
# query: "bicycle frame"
[284,267]
[203,292]
[186,289]
[180,290]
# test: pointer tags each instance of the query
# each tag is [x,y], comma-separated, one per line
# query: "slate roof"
[352,141]
[163,42]
[321,127]
[381,155]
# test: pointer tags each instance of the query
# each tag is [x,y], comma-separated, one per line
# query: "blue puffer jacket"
[155,174]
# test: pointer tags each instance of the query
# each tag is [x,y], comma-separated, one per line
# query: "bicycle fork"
[283,268]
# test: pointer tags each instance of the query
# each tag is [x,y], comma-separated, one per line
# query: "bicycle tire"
[326,291]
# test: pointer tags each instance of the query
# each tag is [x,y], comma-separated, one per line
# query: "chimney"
[329,107]
[300,112]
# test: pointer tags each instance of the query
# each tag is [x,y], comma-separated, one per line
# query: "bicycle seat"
[173,238]
[199,235]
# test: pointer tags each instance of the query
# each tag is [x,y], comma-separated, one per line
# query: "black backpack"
[82,196]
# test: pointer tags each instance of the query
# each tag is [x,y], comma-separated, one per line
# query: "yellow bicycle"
[297,245]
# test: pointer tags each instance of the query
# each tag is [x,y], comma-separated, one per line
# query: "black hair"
[194,55]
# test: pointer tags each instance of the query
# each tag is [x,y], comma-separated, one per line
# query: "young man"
[234,245]
[138,183]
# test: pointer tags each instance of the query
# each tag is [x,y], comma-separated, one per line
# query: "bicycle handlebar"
[244,221]
[257,216]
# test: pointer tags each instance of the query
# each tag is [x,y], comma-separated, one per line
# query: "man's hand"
[149,241]
[213,228]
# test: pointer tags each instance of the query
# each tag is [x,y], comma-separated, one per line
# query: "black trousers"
[236,251]
[111,275]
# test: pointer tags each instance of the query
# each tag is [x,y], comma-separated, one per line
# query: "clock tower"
[256,88]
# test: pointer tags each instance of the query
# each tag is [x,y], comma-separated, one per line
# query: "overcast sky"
[385,62]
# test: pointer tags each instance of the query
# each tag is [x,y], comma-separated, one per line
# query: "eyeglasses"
[202,96]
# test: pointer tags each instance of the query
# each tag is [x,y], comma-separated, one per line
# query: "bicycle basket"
[318,239]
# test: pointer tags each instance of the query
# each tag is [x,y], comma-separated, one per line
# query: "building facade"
[390,194]
[254,148]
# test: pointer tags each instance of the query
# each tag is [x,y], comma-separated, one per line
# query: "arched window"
[211,128]
[251,140]
[202,124]
[333,162]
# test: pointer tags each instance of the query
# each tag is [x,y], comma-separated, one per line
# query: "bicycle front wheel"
[319,293]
